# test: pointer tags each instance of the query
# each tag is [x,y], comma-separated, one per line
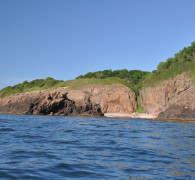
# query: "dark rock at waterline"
[177,112]
[92,100]
[48,103]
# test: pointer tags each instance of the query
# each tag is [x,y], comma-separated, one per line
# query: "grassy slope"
[84,82]
[154,78]
[41,85]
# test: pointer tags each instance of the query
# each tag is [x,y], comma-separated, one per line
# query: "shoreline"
[143,116]
[132,115]
[117,115]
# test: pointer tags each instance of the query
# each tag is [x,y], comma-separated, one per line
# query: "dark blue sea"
[51,147]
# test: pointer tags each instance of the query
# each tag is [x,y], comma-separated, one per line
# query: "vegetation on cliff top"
[135,79]
[50,83]
[134,76]
[29,86]
[184,61]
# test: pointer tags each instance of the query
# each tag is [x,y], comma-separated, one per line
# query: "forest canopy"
[134,76]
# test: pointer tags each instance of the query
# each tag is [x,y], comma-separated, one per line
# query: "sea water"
[54,147]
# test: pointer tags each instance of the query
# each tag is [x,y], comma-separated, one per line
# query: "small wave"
[29,136]
[66,142]
[6,175]
[112,142]
[69,130]
[64,166]
[6,129]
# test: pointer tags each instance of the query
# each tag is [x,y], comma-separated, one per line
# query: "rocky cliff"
[171,99]
[92,100]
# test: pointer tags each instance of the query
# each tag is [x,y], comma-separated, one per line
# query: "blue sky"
[66,38]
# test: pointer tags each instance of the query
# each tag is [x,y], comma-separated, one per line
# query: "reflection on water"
[44,147]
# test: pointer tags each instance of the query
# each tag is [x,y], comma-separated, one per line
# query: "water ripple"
[44,147]
[6,129]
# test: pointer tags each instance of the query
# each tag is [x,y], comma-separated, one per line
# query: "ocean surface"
[50,147]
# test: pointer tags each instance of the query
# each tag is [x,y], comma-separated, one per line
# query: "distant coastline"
[166,93]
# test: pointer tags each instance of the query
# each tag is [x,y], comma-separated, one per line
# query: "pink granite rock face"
[111,98]
[177,92]
[94,100]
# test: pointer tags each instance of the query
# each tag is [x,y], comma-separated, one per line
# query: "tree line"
[134,76]
[184,56]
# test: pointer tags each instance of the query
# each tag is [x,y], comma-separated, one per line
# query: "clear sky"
[66,38]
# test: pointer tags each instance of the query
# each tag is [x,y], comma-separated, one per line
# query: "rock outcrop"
[91,100]
[171,98]
[112,98]
[178,113]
